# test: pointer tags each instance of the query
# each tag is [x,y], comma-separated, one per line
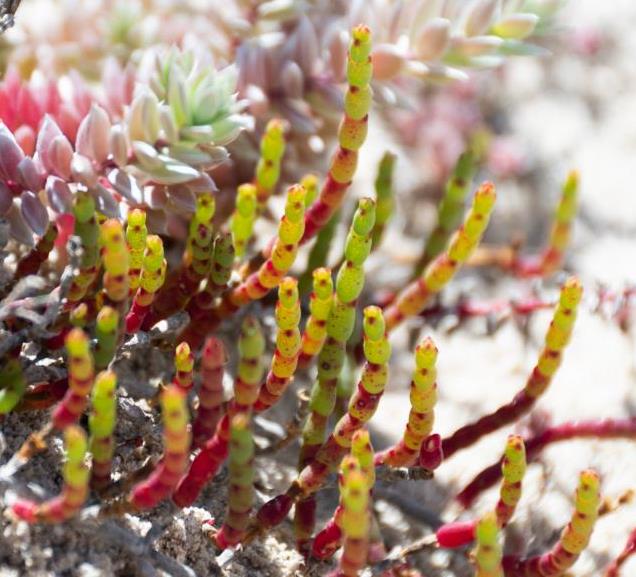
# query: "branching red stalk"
[606,429]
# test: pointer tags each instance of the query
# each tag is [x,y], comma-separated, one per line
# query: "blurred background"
[570,105]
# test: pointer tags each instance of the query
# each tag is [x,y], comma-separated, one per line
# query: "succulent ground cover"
[193,356]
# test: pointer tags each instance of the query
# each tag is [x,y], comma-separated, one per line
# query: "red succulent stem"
[504,415]
[630,548]
[593,429]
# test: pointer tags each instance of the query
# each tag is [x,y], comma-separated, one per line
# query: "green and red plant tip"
[152,277]
[320,303]
[115,259]
[329,539]
[269,164]
[176,452]
[351,135]
[513,468]
[355,522]
[241,484]
[242,221]
[87,229]
[574,538]
[488,553]
[80,381]
[556,340]
[183,366]
[76,475]
[181,286]
[288,340]
[101,423]
[107,333]
[441,270]
[423,397]
[136,235]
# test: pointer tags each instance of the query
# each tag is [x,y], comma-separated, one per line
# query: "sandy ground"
[566,112]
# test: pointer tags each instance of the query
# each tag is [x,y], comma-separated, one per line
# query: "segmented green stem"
[184,365]
[153,275]
[87,230]
[80,380]
[320,303]
[268,167]
[176,451]
[101,423]
[242,220]
[423,398]
[136,234]
[488,553]
[556,340]
[351,135]
[442,269]
[449,210]
[74,490]
[384,197]
[106,331]
[513,469]
[340,324]
[574,538]
[288,341]
[241,484]
[115,261]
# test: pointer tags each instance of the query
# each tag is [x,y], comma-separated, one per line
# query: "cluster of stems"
[80,381]
[197,259]
[214,451]
[269,275]
[351,135]
[101,423]
[574,538]
[339,327]
[441,270]
[176,451]
[218,278]
[329,539]
[151,279]
[423,397]
[75,489]
[285,359]
[556,339]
